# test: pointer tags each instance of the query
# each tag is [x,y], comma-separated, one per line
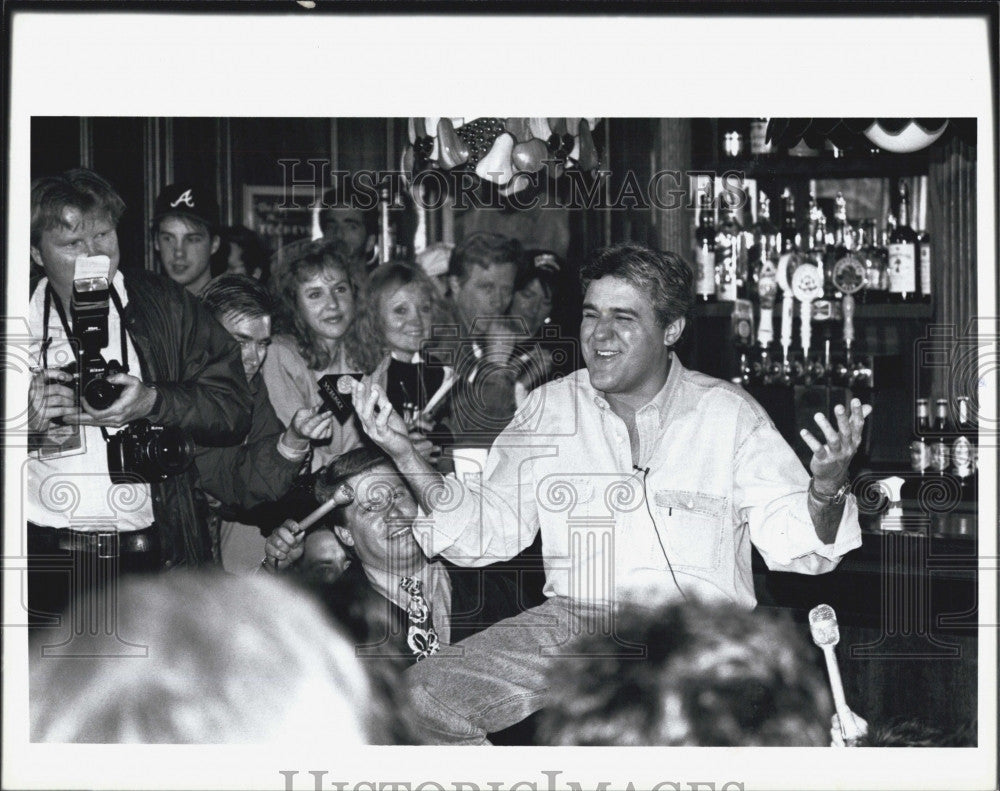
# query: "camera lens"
[171,450]
[100,393]
[117,464]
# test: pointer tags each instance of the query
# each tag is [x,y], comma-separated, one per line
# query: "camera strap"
[61,312]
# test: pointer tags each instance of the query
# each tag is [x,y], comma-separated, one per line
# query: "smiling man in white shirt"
[644,478]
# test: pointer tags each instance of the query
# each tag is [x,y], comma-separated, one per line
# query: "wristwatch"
[830,499]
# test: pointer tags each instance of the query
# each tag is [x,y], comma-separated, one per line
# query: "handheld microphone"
[826,634]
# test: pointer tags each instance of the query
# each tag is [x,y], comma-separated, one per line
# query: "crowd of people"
[326,404]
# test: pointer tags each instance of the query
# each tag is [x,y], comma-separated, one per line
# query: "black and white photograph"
[339,438]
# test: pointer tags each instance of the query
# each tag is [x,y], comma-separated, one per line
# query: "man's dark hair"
[79,188]
[484,249]
[348,196]
[548,277]
[237,295]
[254,255]
[344,467]
[713,675]
[662,275]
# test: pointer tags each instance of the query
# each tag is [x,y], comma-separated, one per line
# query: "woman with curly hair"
[316,335]
[396,319]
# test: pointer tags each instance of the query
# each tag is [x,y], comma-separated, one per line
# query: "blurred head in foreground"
[229,660]
[713,675]
[913,733]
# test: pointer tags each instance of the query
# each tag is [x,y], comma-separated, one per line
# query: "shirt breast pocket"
[693,525]
[567,494]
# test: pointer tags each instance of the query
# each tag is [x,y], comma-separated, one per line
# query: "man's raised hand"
[831,459]
[380,421]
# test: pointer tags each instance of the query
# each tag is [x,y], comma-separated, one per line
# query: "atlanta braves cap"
[192,200]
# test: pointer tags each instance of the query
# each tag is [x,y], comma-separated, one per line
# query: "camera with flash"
[88,308]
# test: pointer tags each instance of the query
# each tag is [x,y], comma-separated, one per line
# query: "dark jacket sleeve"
[244,476]
[197,368]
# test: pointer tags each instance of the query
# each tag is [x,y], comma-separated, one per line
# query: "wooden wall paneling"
[258,145]
[195,152]
[55,145]
[607,164]
[672,152]
[952,223]
[117,154]
[363,144]
[334,144]
[630,149]
[224,188]
[86,143]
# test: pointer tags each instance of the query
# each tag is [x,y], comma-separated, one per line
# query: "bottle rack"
[713,347]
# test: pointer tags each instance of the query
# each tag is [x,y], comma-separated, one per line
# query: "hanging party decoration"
[511,153]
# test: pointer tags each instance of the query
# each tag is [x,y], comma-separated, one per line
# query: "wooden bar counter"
[907,606]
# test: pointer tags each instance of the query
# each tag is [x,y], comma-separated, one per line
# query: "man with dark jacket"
[261,469]
[177,369]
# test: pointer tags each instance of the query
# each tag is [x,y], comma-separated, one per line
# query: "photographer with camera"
[130,372]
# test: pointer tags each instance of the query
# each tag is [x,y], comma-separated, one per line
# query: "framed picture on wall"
[282,221]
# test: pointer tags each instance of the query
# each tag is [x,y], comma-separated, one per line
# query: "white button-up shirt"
[72,487]
[720,477]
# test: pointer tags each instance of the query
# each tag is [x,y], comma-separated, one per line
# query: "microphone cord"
[663,549]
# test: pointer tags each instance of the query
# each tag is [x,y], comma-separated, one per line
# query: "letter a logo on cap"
[186,198]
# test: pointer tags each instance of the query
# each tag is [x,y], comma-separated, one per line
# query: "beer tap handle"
[848,307]
[805,329]
[807,286]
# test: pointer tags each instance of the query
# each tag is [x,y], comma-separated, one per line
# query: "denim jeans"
[496,678]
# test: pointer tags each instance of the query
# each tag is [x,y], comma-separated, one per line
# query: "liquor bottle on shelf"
[765,236]
[920,452]
[866,249]
[881,253]
[814,236]
[790,237]
[939,443]
[924,246]
[763,264]
[705,250]
[903,285]
[964,451]
[727,256]
[842,247]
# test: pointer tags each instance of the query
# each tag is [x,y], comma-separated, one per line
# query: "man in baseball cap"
[185,233]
